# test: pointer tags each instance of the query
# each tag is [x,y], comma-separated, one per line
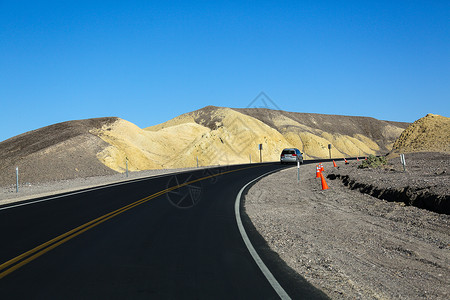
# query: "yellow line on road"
[34,253]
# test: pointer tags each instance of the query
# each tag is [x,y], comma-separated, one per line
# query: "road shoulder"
[348,244]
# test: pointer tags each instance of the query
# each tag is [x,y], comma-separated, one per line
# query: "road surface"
[166,237]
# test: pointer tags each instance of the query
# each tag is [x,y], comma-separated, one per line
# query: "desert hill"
[60,151]
[214,135]
[340,131]
[430,133]
[232,135]
[283,121]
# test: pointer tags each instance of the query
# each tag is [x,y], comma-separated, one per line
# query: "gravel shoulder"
[348,244]
[33,190]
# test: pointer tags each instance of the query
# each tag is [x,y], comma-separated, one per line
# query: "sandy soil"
[349,244]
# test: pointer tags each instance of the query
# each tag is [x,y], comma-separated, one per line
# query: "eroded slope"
[60,151]
[430,133]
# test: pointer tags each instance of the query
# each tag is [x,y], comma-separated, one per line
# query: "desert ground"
[349,244]
[424,183]
[374,234]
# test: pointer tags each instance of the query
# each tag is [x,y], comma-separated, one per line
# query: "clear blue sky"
[149,61]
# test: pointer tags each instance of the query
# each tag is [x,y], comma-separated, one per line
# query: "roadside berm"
[425,183]
[424,179]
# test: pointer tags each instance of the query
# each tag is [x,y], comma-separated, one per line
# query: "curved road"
[172,237]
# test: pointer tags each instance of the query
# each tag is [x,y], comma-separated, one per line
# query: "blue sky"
[149,61]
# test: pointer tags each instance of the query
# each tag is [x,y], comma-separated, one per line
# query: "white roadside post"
[260,153]
[250,155]
[126,164]
[403,161]
[197,161]
[298,171]
[17,179]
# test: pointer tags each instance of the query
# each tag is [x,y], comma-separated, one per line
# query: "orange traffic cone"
[324,183]
[346,162]
[357,158]
[334,164]
[321,168]
[365,158]
[317,171]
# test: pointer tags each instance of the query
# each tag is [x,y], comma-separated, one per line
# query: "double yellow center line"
[21,260]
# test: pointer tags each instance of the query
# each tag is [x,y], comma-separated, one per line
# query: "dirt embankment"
[424,184]
[348,244]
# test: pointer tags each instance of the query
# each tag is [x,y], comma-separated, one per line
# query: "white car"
[291,155]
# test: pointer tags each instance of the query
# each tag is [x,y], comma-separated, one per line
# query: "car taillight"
[294,154]
[282,155]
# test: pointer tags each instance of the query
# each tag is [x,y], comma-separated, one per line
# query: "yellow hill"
[214,135]
[180,141]
[145,149]
[430,133]
[220,136]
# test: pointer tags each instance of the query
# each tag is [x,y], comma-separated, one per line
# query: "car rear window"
[288,152]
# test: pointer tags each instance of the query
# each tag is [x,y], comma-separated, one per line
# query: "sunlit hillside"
[218,136]
[208,136]
[430,133]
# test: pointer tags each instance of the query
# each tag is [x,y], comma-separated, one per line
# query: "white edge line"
[69,194]
[101,186]
[273,282]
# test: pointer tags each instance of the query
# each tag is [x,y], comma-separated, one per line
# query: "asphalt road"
[169,237]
